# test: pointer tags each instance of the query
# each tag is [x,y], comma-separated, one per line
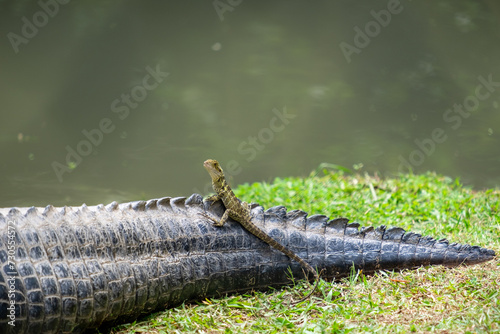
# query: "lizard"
[240,212]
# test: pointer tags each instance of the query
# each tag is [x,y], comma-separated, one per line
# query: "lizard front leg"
[223,219]
[213,199]
[218,223]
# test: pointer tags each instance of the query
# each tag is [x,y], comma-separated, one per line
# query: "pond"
[106,101]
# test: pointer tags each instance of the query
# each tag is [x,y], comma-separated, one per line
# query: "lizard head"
[214,169]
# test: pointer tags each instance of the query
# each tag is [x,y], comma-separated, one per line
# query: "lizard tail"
[317,276]
[252,228]
[304,264]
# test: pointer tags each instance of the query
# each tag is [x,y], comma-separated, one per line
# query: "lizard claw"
[204,215]
[214,222]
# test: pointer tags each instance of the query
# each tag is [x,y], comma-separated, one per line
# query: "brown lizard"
[240,212]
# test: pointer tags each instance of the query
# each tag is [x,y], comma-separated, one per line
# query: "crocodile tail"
[392,248]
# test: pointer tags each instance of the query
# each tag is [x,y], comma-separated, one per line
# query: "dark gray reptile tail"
[336,245]
[69,269]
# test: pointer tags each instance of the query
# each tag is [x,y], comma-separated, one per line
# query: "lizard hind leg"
[248,210]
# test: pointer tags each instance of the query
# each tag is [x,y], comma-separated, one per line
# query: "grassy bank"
[435,299]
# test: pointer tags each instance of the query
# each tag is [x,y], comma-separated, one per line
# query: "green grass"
[427,300]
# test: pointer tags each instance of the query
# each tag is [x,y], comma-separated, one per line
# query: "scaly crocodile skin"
[75,268]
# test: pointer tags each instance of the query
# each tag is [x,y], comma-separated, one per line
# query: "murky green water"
[105,101]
